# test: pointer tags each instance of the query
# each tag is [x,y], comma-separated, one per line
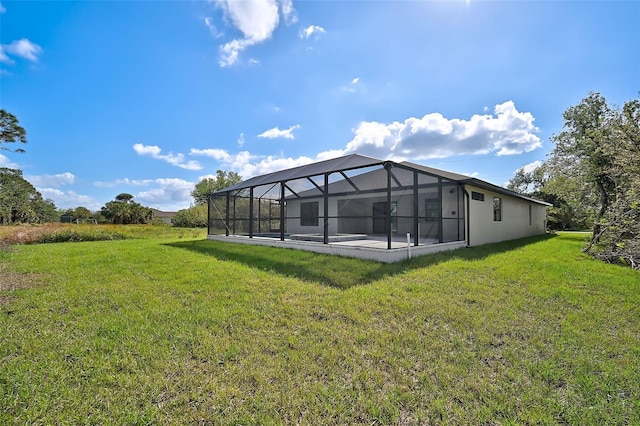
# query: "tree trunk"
[604,205]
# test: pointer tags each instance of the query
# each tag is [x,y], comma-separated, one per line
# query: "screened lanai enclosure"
[346,200]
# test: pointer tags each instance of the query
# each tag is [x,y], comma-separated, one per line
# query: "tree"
[123,210]
[20,202]
[78,213]
[45,210]
[583,155]
[618,238]
[11,131]
[206,186]
[596,165]
[124,198]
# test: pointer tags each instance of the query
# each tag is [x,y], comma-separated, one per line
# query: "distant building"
[65,218]
[164,216]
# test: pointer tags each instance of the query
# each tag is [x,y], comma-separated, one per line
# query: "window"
[432,208]
[309,214]
[477,196]
[497,209]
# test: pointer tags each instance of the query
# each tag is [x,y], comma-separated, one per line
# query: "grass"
[174,330]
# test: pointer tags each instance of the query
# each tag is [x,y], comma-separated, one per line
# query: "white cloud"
[69,199]
[256,20]
[351,87]
[249,165]
[254,62]
[241,159]
[506,132]
[207,176]
[236,161]
[310,30]
[328,155]
[3,57]
[241,140]
[177,160]
[277,133]
[528,168]
[5,162]
[151,150]
[471,174]
[288,11]
[215,153]
[52,180]
[268,164]
[212,28]
[229,52]
[125,181]
[170,194]
[23,48]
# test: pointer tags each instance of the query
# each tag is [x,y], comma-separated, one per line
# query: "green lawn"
[181,330]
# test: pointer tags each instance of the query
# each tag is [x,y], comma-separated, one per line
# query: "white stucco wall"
[515,218]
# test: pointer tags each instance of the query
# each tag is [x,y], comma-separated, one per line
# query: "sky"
[150,97]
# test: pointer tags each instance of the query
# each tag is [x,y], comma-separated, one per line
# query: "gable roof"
[357,161]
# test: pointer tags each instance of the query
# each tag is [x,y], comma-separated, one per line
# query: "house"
[364,207]
[165,217]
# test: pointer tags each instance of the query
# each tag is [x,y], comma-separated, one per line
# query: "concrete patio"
[372,247]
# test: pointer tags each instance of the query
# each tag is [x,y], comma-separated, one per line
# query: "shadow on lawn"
[336,271]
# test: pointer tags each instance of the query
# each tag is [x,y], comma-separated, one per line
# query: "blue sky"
[149,97]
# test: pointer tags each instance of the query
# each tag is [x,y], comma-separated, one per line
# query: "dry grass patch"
[11,281]
[59,232]
[68,232]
